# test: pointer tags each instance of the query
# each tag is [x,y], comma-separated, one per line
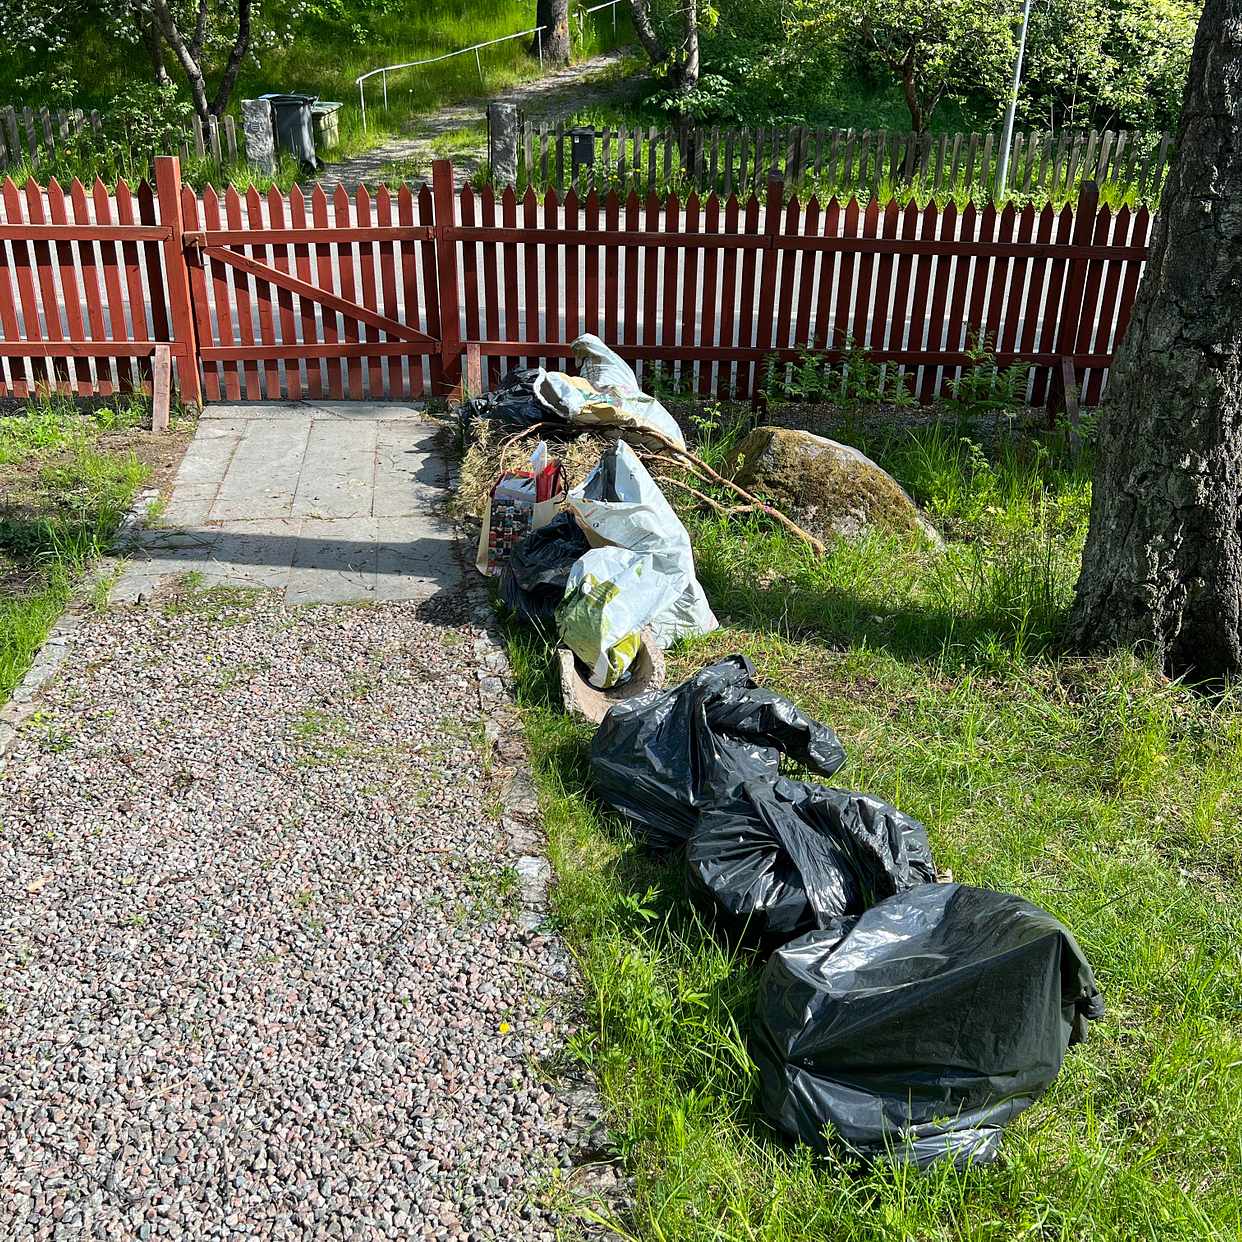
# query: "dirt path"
[460,130]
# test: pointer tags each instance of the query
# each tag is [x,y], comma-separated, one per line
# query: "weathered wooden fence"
[841,161]
[297,295]
[33,135]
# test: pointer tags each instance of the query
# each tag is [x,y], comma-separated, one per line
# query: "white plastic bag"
[620,504]
[606,394]
[610,595]
[607,371]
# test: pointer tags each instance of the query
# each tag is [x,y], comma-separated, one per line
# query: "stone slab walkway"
[323,502]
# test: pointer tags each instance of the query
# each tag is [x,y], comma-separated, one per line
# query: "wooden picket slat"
[475,297]
[612,280]
[432,365]
[341,257]
[728,287]
[49,298]
[508,215]
[302,257]
[241,299]
[955,329]
[883,320]
[632,224]
[325,270]
[668,279]
[690,291]
[590,290]
[222,299]
[746,306]
[530,269]
[919,326]
[944,228]
[415,380]
[89,267]
[806,277]
[491,298]
[80,368]
[1109,302]
[370,291]
[1053,290]
[572,291]
[552,330]
[291,365]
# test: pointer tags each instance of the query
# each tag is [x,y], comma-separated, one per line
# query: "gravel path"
[555,95]
[264,969]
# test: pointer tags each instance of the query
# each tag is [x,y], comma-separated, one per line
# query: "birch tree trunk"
[1162,566]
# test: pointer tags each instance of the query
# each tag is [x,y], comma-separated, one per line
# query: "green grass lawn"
[1093,787]
[66,479]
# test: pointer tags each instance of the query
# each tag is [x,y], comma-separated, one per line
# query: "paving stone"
[329,502]
[263,476]
[338,470]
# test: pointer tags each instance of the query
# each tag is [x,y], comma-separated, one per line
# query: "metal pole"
[362,103]
[539,41]
[1002,164]
[614,17]
[479,63]
[385,78]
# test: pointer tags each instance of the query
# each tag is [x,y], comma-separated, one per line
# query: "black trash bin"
[293,126]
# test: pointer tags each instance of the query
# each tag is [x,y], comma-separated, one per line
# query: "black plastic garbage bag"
[533,581]
[512,402]
[784,857]
[661,758]
[916,1031]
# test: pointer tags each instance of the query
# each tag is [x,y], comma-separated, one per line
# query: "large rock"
[829,488]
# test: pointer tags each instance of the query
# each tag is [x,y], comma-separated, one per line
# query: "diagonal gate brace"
[351,310]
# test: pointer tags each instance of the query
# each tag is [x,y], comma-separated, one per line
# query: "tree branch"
[241,45]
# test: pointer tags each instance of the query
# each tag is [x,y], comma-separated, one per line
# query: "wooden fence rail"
[33,136]
[381,296]
[841,161]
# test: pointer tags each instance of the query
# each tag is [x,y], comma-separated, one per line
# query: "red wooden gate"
[365,322]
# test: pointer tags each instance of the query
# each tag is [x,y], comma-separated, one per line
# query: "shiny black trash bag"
[661,758]
[784,857]
[917,1030]
[534,577]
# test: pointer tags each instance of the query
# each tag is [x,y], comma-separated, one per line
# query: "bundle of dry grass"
[496,448]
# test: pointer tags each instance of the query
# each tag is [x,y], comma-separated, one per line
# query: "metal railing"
[537,31]
[385,70]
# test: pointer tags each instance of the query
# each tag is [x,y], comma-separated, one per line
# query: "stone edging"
[596,1175]
[55,646]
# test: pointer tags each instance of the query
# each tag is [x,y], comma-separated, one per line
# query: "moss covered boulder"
[829,488]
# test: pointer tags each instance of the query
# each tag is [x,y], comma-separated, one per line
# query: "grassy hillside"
[319,47]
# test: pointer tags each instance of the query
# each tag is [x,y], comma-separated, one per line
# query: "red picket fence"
[378,295]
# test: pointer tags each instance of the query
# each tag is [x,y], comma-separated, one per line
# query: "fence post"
[177,276]
[444,200]
[1064,374]
[502,143]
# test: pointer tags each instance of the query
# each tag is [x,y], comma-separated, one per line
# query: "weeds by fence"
[73,142]
[871,164]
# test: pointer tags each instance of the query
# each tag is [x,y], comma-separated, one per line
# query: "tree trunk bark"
[640,16]
[1162,567]
[241,45]
[688,66]
[553,16]
[186,57]
[909,88]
